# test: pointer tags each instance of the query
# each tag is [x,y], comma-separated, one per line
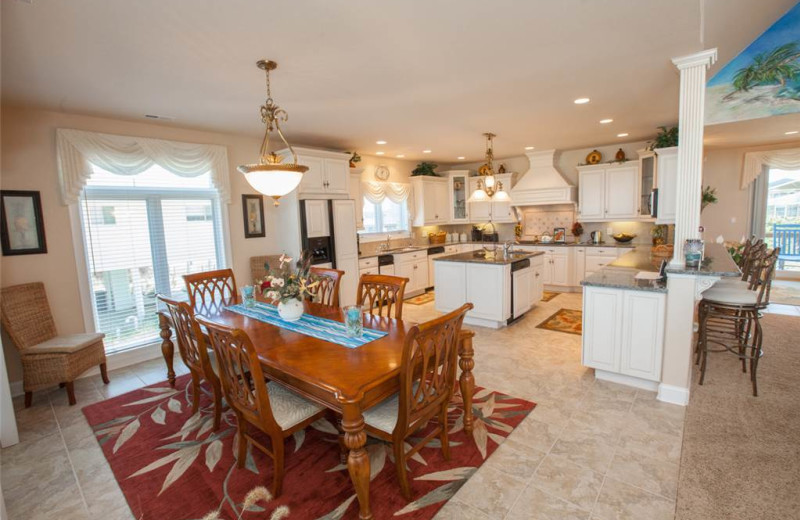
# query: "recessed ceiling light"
[380,142]
[426,151]
[791,132]
[606,121]
[622,135]
[581,101]
[529,147]
[400,156]
[460,157]
[378,153]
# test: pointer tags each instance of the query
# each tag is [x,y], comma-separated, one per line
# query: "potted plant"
[667,138]
[709,197]
[289,286]
[354,159]
[425,169]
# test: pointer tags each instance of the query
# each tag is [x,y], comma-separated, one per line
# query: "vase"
[291,310]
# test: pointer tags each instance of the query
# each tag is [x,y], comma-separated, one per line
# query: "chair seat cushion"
[731,282]
[288,408]
[731,296]
[65,344]
[383,416]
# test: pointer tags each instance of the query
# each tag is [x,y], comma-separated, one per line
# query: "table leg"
[355,438]
[467,380]
[167,347]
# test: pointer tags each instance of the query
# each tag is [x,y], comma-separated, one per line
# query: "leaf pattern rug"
[564,320]
[171,465]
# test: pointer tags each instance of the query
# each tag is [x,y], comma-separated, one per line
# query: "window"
[142,234]
[386,217]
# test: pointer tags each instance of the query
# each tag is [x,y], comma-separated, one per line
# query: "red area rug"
[170,465]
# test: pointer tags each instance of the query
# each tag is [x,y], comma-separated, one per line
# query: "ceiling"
[753,132]
[418,74]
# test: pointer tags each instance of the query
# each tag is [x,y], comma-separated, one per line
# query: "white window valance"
[754,163]
[375,192]
[77,151]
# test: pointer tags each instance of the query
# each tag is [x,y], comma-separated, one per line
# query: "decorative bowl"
[623,237]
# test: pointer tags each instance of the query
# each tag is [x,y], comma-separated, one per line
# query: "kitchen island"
[501,287]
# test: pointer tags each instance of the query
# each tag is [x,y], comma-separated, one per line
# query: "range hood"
[542,183]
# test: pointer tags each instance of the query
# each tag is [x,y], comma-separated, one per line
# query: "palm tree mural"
[769,68]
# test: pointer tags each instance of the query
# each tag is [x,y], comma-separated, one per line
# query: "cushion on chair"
[288,408]
[731,283]
[731,296]
[65,344]
[383,416]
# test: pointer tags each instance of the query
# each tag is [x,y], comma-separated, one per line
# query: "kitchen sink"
[402,249]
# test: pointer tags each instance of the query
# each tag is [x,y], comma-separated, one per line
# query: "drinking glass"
[248,296]
[693,252]
[354,321]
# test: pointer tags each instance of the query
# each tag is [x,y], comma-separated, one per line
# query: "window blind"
[142,234]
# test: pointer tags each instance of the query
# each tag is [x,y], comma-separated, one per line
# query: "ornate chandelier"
[489,188]
[270,176]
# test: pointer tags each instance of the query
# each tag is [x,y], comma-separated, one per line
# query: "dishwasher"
[521,273]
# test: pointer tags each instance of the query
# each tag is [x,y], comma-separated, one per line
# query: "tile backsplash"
[538,220]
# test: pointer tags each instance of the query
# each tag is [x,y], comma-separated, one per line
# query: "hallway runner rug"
[422,298]
[564,320]
[171,465]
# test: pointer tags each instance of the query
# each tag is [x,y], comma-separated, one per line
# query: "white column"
[691,119]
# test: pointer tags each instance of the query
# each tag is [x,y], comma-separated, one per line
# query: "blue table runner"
[309,325]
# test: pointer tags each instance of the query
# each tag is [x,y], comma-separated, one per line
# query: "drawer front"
[601,251]
[411,257]
[451,249]
[364,263]
[595,263]
[368,270]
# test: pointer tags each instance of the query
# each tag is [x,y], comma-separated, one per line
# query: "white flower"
[273,295]
[278,282]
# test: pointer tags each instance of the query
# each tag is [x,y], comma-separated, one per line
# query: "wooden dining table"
[345,380]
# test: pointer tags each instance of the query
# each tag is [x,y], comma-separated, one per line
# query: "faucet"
[384,246]
[508,246]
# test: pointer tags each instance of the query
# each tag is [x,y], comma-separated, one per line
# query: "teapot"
[596,237]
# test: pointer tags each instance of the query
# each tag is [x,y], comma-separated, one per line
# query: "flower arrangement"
[284,283]
[577,229]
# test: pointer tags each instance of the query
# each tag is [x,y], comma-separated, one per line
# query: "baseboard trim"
[113,362]
[623,379]
[673,394]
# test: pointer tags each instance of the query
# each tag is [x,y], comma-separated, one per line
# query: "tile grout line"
[69,457]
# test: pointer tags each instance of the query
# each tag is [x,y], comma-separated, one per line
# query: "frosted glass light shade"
[501,196]
[273,180]
[489,180]
[478,196]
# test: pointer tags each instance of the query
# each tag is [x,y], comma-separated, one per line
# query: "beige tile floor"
[589,449]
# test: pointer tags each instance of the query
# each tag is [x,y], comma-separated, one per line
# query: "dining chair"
[194,351]
[381,293]
[210,291]
[48,359]
[266,406]
[327,290]
[427,380]
[259,266]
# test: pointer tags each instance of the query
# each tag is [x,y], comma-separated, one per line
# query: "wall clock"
[381,173]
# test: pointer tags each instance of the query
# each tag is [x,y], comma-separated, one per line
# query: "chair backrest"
[380,293]
[763,274]
[748,246]
[327,290]
[210,291]
[191,344]
[241,375]
[428,367]
[751,257]
[258,266]
[26,314]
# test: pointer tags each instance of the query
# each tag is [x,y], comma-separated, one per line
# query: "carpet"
[785,292]
[421,299]
[170,465]
[741,454]
[548,295]
[564,320]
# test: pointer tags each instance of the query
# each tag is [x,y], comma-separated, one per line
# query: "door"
[779,224]
[355,194]
[591,194]
[478,211]
[667,182]
[346,246]
[337,176]
[601,327]
[442,202]
[501,212]
[622,192]
[419,278]
[317,224]
[521,285]
[314,179]
[547,269]
[642,334]
[405,270]
[560,273]
[458,185]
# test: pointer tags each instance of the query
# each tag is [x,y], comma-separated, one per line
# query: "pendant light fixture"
[489,188]
[270,175]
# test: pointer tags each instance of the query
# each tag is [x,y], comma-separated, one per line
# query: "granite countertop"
[418,247]
[627,245]
[478,257]
[621,273]
[717,261]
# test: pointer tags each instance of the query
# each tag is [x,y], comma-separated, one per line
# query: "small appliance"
[596,237]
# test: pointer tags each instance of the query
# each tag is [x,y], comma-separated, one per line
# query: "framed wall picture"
[559,235]
[253,212]
[22,224]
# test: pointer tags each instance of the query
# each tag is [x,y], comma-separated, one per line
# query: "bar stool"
[754,249]
[730,318]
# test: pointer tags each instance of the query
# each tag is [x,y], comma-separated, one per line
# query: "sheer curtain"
[755,163]
[397,192]
[125,155]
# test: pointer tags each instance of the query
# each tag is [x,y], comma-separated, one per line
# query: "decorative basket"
[664,250]
[437,238]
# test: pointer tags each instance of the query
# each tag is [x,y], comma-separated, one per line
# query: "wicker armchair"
[47,358]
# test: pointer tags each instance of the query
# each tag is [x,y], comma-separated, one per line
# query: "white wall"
[29,163]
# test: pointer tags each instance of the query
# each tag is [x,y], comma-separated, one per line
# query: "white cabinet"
[556,268]
[537,279]
[521,287]
[317,221]
[580,264]
[328,173]
[478,211]
[598,257]
[489,210]
[458,193]
[355,194]
[413,266]
[431,201]
[623,331]
[608,192]
[667,180]
[344,230]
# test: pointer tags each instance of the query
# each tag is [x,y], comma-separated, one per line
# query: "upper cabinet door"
[667,175]
[591,194]
[458,185]
[314,179]
[344,229]
[337,176]
[442,213]
[622,193]
[478,211]
[317,222]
